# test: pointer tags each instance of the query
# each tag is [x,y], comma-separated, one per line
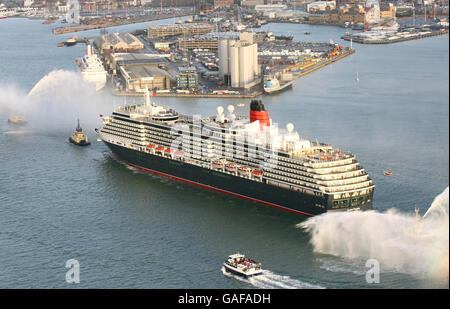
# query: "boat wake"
[270,280]
[400,242]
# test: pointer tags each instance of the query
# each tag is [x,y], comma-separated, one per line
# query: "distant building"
[388,11]
[140,71]
[113,61]
[251,3]
[118,42]
[188,78]
[317,6]
[155,31]
[370,12]
[270,7]
[209,41]
[142,77]
[218,4]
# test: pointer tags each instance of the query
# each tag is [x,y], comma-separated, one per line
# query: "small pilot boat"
[238,264]
[78,137]
[388,173]
[17,120]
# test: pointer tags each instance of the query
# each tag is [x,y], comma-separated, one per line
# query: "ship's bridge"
[149,111]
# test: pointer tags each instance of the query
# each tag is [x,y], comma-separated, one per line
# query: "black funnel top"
[257,105]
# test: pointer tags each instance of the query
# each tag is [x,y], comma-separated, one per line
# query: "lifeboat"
[151,146]
[218,164]
[388,173]
[178,153]
[160,148]
[168,151]
[231,167]
[257,173]
[244,170]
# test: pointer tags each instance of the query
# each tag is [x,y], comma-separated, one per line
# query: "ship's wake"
[400,242]
[55,102]
[270,280]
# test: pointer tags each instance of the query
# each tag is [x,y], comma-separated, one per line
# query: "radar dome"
[290,127]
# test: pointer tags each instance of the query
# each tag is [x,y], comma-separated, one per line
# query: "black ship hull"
[82,143]
[285,199]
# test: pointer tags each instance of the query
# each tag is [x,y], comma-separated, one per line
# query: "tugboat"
[17,120]
[78,137]
[238,264]
[70,42]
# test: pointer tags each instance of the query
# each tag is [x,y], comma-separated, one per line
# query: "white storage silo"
[223,58]
[255,59]
[246,70]
[234,65]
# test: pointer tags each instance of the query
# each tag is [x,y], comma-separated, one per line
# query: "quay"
[190,95]
[108,24]
[394,40]
[324,63]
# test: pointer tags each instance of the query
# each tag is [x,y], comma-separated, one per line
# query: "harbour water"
[129,229]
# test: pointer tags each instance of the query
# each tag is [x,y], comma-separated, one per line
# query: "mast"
[425,7]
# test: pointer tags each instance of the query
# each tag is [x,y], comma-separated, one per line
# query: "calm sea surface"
[129,229]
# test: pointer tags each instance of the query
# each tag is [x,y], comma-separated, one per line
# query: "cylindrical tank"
[234,66]
[245,64]
[223,58]
[255,60]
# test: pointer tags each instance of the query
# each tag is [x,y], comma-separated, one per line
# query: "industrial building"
[114,60]
[188,78]
[138,78]
[238,61]
[117,42]
[140,71]
[209,41]
[156,31]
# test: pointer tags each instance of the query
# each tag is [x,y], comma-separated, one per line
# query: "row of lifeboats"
[233,167]
[164,150]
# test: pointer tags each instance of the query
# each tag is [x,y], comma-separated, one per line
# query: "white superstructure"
[92,69]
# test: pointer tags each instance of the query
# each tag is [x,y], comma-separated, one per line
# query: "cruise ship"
[92,69]
[246,157]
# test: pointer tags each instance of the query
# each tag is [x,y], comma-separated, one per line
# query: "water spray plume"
[56,101]
[400,242]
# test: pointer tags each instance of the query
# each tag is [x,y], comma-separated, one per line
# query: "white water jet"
[56,102]
[399,241]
